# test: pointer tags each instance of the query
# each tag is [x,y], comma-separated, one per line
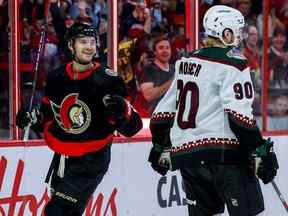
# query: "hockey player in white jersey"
[205,128]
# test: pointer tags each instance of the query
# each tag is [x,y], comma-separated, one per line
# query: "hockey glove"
[268,165]
[118,106]
[154,158]
[24,117]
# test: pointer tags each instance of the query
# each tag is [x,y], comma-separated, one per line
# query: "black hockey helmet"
[80,30]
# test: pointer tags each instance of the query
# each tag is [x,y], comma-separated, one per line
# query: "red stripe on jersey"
[74,148]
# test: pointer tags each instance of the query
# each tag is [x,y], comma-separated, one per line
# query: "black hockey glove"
[118,106]
[268,165]
[24,117]
[154,157]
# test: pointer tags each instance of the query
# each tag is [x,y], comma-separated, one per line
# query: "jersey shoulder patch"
[236,53]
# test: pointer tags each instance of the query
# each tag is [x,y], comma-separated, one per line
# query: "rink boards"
[130,188]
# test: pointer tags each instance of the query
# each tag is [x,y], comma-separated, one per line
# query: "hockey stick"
[275,187]
[281,197]
[35,78]
[40,52]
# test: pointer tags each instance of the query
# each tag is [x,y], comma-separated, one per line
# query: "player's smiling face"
[85,49]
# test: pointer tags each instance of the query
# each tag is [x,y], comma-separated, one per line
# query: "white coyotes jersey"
[202,94]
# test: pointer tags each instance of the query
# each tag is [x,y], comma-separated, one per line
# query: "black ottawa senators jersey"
[77,120]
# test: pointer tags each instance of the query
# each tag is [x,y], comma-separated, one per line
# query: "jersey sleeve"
[237,95]
[237,92]
[168,102]
[120,87]
[162,119]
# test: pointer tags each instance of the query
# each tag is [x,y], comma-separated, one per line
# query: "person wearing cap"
[84,103]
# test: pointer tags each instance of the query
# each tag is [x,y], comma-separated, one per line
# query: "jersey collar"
[80,75]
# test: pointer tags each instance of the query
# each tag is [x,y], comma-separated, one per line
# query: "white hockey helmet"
[221,17]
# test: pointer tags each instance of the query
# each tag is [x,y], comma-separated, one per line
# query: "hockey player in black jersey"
[84,103]
[204,125]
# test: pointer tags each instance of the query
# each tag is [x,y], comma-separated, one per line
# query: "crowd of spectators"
[151,38]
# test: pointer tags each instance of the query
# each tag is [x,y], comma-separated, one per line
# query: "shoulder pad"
[111,72]
[229,56]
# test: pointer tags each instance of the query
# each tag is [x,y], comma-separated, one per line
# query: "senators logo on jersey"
[72,115]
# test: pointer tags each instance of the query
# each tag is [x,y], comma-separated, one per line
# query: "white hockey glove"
[165,159]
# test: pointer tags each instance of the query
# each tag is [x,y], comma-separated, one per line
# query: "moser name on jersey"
[189,68]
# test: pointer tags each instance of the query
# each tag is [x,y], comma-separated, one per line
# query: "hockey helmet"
[81,30]
[220,17]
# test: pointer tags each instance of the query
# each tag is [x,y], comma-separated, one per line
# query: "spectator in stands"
[135,28]
[32,14]
[125,70]
[158,75]
[60,18]
[125,9]
[83,8]
[103,29]
[278,60]
[178,40]
[158,15]
[279,118]
[26,10]
[251,52]
[244,6]
[282,11]
[25,41]
[100,8]
[139,17]
[49,57]
[204,6]
[273,22]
